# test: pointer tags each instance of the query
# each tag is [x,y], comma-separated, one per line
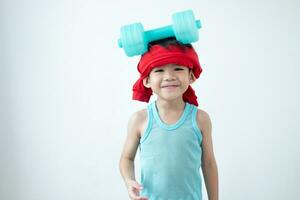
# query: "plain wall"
[66,87]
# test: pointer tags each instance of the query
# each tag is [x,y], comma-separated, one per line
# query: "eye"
[158,70]
[178,69]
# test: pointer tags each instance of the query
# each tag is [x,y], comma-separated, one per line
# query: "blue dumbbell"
[134,40]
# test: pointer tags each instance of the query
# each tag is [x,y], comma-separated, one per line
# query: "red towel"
[158,56]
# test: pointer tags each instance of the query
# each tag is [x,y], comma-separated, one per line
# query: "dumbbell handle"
[160,33]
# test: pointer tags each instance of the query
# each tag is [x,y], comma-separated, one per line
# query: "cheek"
[152,82]
[185,78]
[155,79]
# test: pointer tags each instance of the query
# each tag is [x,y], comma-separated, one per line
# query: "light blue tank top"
[170,157]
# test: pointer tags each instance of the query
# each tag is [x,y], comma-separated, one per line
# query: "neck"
[175,105]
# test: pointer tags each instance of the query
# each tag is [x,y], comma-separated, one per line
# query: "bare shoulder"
[133,134]
[137,121]
[203,121]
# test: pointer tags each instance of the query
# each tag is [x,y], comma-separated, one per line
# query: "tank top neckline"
[175,125]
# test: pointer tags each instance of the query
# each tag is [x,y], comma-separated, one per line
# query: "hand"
[134,188]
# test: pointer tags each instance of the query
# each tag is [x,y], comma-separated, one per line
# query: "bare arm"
[209,165]
[126,163]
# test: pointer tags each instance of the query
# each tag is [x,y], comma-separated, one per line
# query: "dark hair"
[166,42]
[169,41]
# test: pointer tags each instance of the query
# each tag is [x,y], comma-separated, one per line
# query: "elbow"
[209,163]
[124,158]
[125,161]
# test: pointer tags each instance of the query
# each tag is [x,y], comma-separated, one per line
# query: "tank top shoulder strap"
[149,123]
[195,124]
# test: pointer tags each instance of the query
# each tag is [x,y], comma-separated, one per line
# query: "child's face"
[169,81]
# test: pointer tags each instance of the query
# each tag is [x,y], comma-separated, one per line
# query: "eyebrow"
[173,65]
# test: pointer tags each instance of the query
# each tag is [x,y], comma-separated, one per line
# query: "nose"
[169,75]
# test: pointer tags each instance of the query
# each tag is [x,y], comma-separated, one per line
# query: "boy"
[173,135]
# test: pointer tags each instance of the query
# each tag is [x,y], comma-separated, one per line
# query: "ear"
[146,82]
[192,77]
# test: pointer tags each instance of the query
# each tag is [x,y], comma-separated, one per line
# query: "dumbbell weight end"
[120,43]
[198,24]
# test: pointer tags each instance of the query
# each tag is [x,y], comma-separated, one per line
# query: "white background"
[65,95]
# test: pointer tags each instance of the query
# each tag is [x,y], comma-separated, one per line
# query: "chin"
[171,97]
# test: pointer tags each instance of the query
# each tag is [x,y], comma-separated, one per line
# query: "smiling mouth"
[170,86]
